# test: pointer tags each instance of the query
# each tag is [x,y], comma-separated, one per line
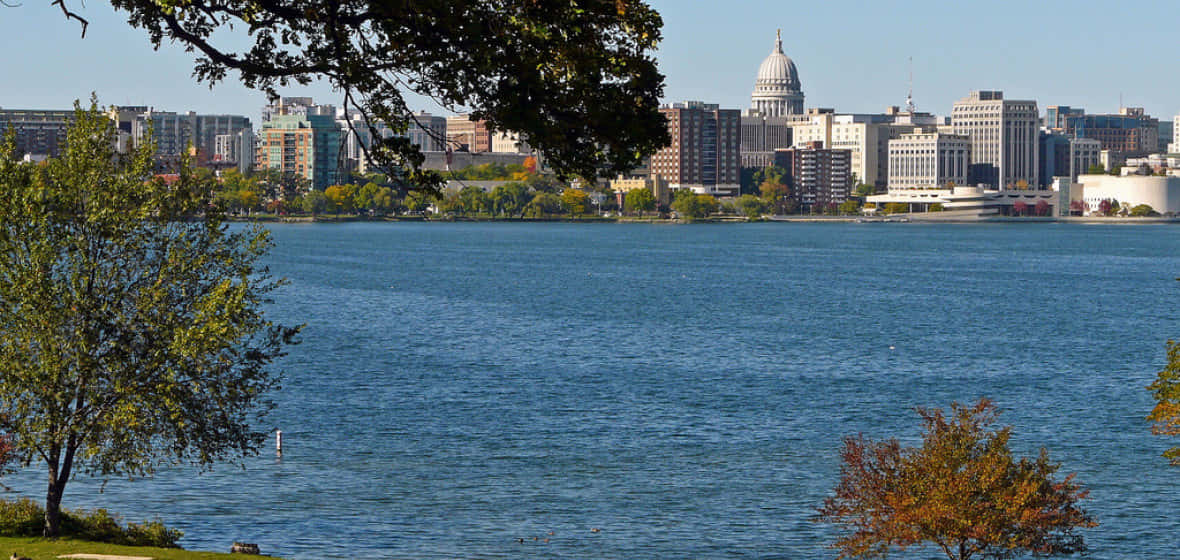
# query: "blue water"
[682,388]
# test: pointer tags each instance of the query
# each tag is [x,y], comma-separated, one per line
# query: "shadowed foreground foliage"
[961,491]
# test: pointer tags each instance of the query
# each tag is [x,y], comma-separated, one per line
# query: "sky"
[851,56]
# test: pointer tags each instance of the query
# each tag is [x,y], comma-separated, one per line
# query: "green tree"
[575,201]
[961,491]
[770,173]
[865,190]
[752,206]
[584,84]
[366,196]
[341,198]
[1143,210]
[544,205]
[131,329]
[640,200]
[777,194]
[897,208]
[474,200]
[418,201]
[315,202]
[1096,170]
[850,207]
[510,198]
[936,207]
[691,206]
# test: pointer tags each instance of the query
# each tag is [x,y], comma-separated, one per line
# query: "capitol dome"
[777,91]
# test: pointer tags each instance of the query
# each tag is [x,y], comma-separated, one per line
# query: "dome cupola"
[777,90]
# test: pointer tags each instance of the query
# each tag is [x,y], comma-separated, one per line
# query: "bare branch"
[70,14]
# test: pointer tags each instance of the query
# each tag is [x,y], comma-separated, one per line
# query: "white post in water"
[278,442]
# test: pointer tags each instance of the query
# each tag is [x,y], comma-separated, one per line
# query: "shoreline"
[897,218]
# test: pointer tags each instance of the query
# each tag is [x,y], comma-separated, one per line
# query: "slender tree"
[961,491]
[130,324]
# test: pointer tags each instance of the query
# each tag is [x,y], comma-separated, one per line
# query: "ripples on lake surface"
[683,388]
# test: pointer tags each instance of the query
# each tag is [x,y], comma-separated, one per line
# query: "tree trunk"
[53,507]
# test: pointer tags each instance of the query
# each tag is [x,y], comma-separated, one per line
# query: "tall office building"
[1065,156]
[704,153]
[761,136]
[777,91]
[817,176]
[466,135]
[1130,132]
[866,136]
[928,160]
[1004,138]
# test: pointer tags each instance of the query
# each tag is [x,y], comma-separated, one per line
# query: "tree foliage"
[640,200]
[578,79]
[961,491]
[1165,416]
[130,324]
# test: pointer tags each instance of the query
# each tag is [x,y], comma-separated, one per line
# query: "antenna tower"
[909,98]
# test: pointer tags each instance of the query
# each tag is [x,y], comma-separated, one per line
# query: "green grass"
[46,549]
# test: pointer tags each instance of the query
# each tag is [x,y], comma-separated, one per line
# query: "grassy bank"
[45,549]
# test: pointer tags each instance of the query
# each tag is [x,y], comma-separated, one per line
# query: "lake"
[681,388]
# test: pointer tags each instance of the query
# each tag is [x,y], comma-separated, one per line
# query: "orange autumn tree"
[961,491]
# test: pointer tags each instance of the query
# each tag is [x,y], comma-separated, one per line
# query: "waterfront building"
[761,136]
[1056,151]
[703,155]
[306,145]
[972,202]
[817,176]
[295,106]
[655,183]
[467,135]
[928,160]
[1161,193]
[1004,137]
[777,90]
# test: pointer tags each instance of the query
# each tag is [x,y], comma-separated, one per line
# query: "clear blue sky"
[851,55]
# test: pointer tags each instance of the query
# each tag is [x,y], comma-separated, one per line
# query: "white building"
[236,148]
[509,143]
[1174,147]
[1162,194]
[1004,138]
[867,136]
[424,130]
[777,91]
[928,160]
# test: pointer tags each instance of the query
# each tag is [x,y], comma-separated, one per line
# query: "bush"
[26,518]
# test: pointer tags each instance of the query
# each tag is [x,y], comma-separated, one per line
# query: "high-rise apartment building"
[39,132]
[1004,138]
[426,131]
[305,145]
[928,160]
[704,153]
[818,177]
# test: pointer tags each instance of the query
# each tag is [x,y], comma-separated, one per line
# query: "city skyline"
[853,60]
